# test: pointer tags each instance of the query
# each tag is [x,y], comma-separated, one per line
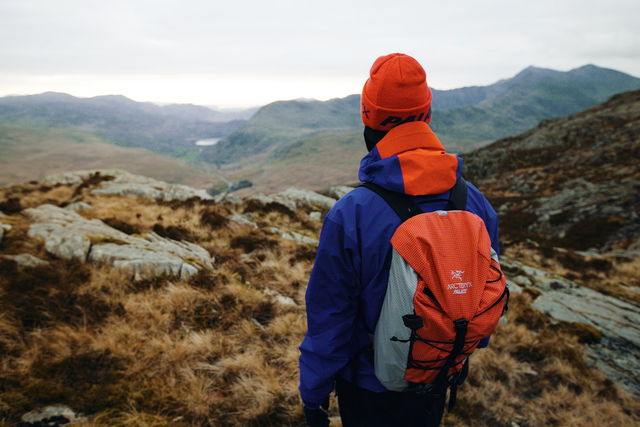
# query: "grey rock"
[297,237]
[521,281]
[78,206]
[279,298]
[53,415]
[162,192]
[580,200]
[609,315]
[187,270]
[292,235]
[315,216]
[183,249]
[61,242]
[128,184]
[617,359]
[264,201]
[227,198]
[26,260]
[142,264]
[301,196]
[69,235]
[1,232]
[243,220]
[339,191]
[541,279]
[618,320]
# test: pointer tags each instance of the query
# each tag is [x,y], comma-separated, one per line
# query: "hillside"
[126,301]
[282,123]
[169,130]
[518,104]
[589,78]
[30,152]
[464,118]
[314,163]
[572,181]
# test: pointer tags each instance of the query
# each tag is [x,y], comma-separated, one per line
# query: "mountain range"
[464,118]
[170,130]
[300,142]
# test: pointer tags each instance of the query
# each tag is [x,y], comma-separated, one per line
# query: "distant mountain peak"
[532,71]
[114,98]
[52,95]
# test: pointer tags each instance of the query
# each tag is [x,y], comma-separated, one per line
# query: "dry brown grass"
[538,377]
[221,349]
[18,197]
[607,274]
[218,349]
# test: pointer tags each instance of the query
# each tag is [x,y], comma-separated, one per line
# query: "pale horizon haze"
[250,53]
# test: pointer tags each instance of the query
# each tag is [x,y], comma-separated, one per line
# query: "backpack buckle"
[413,321]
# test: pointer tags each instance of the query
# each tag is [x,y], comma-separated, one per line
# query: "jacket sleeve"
[331,301]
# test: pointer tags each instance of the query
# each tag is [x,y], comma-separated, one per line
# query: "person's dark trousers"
[360,407]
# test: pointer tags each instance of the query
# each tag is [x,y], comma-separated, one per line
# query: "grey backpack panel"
[390,357]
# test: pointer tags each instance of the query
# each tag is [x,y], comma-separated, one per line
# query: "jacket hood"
[410,159]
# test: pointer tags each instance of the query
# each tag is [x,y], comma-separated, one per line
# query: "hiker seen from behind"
[407,282]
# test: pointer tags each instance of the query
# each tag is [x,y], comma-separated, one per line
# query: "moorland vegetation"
[220,348]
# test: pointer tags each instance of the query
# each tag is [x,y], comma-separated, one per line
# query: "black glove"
[317,417]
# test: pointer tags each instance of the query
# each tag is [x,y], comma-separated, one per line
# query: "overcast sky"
[252,52]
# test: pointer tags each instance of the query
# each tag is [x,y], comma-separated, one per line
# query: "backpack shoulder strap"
[399,202]
[404,207]
[458,195]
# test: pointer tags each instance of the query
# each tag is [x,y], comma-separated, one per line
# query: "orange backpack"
[446,292]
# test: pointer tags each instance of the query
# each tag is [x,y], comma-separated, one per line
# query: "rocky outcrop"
[302,197]
[616,355]
[290,200]
[244,220]
[121,183]
[338,191]
[78,206]
[26,260]
[258,201]
[572,180]
[69,235]
[292,235]
[52,416]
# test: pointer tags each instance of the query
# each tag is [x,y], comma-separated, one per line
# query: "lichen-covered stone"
[69,235]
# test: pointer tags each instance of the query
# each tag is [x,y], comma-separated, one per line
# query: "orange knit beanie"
[395,93]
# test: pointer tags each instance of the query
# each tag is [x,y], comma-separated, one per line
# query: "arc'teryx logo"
[457,274]
[458,288]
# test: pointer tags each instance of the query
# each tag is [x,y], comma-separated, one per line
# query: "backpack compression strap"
[404,206]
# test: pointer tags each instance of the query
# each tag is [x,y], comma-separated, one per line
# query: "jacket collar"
[410,159]
[410,136]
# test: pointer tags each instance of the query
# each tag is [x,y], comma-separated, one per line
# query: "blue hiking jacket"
[349,278]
